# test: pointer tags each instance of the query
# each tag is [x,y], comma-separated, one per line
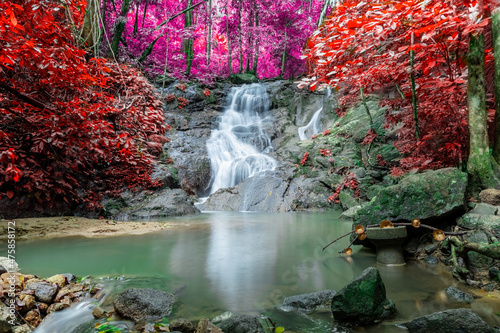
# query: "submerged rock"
[363,301]
[182,325]
[241,324]
[308,302]
[449,321]
[459,295]
[138,304]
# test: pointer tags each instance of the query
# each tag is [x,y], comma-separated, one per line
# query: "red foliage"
[73,127]
[304,158]
[370,136]
[182,102]
[325,152]
[349,181]
[368,43]
[206,92]
[326,132]
[170,98]
[181,87]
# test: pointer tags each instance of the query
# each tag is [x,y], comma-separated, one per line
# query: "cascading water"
[313,127]
[237,149]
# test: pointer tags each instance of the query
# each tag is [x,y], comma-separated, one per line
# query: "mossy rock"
[245,78]
[428,196]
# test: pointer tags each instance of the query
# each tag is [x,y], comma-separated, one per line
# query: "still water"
[244,263]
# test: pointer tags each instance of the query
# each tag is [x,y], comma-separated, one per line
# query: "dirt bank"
[54,227]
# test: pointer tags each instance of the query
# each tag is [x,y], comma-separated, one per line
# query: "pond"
[244,263]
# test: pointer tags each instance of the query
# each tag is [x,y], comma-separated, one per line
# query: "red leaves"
[304,158]
[89,143]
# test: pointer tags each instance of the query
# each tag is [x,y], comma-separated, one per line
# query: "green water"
[240,262]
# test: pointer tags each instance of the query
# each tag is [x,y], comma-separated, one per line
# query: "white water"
[68,320]
[313,127]
[237,149]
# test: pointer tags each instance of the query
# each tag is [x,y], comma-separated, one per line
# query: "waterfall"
[313,127]
[237,149]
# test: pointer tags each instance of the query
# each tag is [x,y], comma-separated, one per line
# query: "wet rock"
[241,324]
[475,261]
[458,295]
[57,307]
[29,302]
[164,203]
[58,279]
[482,208]
[494,273]
[308,302]
[347,200]
[5,318]
[349,214]
[206,326]
[9,264]
[2,270]
[33,318]
[182,325]
[363,301]
[97,312]
[69,277]
[43,307]
[13,279]
[431,260]
[138,304]
[477,221]
[490,196]
[429,195]
[44,291]
[449,321]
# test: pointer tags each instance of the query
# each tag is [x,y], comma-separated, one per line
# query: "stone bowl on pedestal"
[388,242]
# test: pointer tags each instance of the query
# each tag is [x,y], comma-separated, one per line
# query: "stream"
[243,263]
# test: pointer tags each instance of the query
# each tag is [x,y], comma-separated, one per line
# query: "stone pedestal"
[388,242]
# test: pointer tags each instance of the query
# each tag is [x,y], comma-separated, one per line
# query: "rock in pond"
[182,325]
[458,295]
[449,321]
[428,196]
[44,291]
[308,302]
[241,324]
[5,318]
[137,304]
[363,301]
[206,326]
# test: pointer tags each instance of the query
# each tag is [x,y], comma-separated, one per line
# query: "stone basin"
[388,242]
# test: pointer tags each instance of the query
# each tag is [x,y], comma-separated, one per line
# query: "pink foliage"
[282,25]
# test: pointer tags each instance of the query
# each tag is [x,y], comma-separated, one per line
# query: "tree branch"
[24,97]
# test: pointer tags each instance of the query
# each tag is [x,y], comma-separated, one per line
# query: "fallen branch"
[489,250]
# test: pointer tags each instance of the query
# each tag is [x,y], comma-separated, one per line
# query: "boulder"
[58,279]
[241,324]
[44,291]
[449,321]
[164,203]
[429,196]
[490,196]
[482,208]
[206,326]
[478,221]
[138,304]
[363,301]
[458,295]
[308,302]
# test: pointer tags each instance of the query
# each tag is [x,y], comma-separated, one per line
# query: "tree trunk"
[136,21]
[495,22]
[119,27]
[256,50]
[414,91]
[283,59]
[239,36]
[188,43]
[209,38]
[229,60]
[480,163]
[91,31]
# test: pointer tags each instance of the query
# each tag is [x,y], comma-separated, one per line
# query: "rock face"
[164,203]
[44,291]
[459,295]
[138,304]
[449,321]
[308,302]
[428,195]
[363,301]
[241,324]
